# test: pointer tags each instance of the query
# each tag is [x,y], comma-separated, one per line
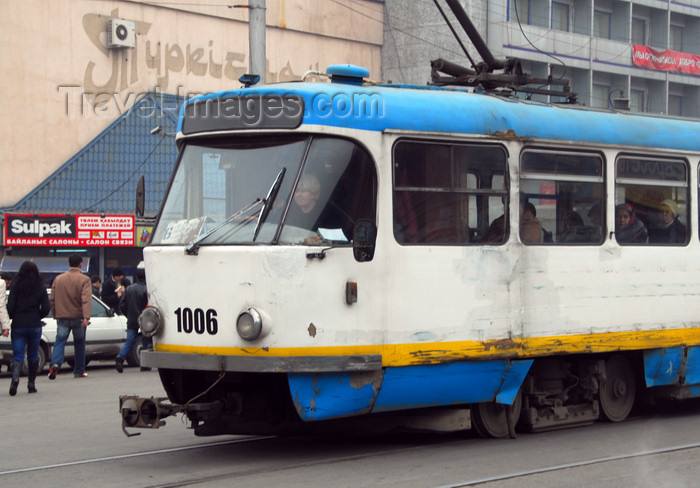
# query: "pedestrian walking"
[132,303]
[112,289]
[27,305]
[96,285]
[71,305]
[4,317]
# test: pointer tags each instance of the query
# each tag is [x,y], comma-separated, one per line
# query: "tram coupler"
[144,413]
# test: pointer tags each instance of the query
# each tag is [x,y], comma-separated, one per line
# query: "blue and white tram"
[337,250]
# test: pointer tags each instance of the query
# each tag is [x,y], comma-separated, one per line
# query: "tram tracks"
[239,475]
[131,455]
[227,477]
[486,481]
[308,459]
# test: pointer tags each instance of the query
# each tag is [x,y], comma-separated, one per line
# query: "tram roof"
[438,109]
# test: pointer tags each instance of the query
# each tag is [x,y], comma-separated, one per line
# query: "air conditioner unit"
[120,33]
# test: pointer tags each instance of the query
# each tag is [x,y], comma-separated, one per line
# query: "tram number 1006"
[196,320]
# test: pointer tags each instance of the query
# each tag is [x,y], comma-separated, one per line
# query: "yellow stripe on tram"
[436,352]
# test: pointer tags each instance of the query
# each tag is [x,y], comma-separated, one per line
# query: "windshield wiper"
[267,203]
[193,246]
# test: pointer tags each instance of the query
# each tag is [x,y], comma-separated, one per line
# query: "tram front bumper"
[260,364]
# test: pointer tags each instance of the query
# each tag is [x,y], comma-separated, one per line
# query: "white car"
[104,338]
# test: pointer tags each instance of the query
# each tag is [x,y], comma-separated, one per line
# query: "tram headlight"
[150,321]
[249,324]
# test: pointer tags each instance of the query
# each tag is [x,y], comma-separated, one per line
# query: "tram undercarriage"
[568,391]
[259,403]
[563,392]
[556,392]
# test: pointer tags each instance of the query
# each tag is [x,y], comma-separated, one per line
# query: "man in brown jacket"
[71,305]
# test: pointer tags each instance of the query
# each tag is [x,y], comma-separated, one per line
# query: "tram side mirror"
[364,240]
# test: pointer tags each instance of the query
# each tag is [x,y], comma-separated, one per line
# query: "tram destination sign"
[70,230]
[238,113]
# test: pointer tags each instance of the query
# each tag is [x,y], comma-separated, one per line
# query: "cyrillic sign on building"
[70,230]
[666,60]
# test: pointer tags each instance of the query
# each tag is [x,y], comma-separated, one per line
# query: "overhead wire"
[517,16]
[127,180]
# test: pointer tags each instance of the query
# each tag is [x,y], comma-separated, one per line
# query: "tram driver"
[323,217]
[304,212]
[301,213]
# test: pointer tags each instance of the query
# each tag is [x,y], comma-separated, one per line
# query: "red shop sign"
[665,60]
[69,230]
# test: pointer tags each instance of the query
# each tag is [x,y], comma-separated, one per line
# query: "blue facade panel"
[102,177]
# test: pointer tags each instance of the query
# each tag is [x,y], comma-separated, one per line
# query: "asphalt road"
[69,435]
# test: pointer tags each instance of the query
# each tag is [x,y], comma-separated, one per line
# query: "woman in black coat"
[27,305]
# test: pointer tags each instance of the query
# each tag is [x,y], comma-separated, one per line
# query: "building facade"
[644,52]
[87,84]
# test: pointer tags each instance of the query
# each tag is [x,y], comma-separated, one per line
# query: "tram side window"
[562,197]
[651,201]
[342,176]
[449,193]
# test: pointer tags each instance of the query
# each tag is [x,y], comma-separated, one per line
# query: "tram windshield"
[283,190]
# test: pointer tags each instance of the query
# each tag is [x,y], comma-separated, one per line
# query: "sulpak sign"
[69,230]
[665,60]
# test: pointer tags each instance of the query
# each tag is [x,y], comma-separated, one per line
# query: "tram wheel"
[489,419]
[618,390]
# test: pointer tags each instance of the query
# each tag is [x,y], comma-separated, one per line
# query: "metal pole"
[474,35]
[256,37]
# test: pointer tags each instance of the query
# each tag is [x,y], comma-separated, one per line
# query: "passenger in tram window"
[628,229]
[595,214]
[530,226]
[668,230]
[496,231]
[573,227]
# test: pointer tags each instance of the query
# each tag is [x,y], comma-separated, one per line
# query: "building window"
[675,105]
[562,197]
[452,194]
[601,24]
[651,201]
[639,31]
[561,16]
[637,100]
[214,198]
[676,38]
[600,97]
[519,11]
